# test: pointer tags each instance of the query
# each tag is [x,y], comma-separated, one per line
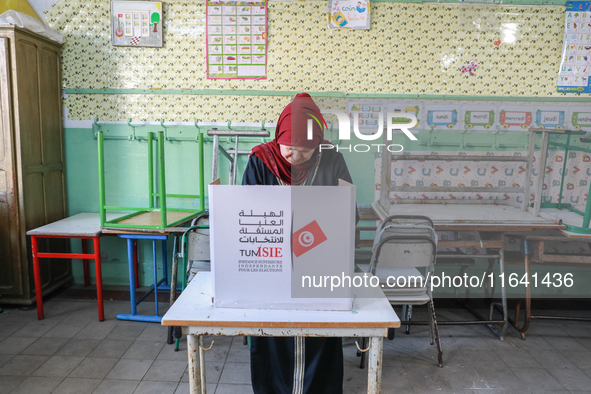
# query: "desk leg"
[99,277]
[374,372]
[503,297]
[164,263]
[85,263]
[37,274]
[135,263]
[132,278]
[202,365]
[196,386]
[527,320]
[154,260]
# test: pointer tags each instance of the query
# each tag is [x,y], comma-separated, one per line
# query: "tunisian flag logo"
[307,237]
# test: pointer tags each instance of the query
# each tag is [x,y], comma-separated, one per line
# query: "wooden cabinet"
[32,181]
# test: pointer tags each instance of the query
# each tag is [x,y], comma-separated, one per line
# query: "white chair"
[403,244]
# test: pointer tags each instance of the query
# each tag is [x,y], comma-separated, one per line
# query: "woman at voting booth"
[313,365]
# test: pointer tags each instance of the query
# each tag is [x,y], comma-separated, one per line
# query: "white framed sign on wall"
[136,23]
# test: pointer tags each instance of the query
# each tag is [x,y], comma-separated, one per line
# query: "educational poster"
[550,117]
[516,117]
[369,114]
[350,14]
[443,116]
[575,65]
[479,117]
[136,23]
[236,39]
[580,118]
[412,108]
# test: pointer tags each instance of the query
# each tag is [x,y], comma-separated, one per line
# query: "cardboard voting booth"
[278,247]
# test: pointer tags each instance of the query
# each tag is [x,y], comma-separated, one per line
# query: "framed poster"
[369,115]
[236,39]
[580,118]
[443,116]
[349,14]
[411,107]
[551,117]
[479,117]
[516,117]
[136,23]
[574,75]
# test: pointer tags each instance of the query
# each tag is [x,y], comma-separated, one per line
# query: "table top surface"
[194,308]
[475,216]
[80,225]
[568,217]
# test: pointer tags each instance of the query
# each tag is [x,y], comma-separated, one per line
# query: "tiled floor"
[71,352]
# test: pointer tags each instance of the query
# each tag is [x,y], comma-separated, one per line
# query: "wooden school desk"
[132,236]
[82,226]
[193,310]
[490,219]
[535,253]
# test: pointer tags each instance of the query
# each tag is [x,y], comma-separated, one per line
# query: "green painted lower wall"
[126,174]
[126,179]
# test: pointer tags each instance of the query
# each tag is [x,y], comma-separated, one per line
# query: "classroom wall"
[412,50]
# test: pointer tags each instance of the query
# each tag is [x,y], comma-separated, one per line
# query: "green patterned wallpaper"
[410,49]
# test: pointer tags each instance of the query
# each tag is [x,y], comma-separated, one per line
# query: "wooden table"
[491,219]
[534,253]
[132,236]
[82,226]
[193,310]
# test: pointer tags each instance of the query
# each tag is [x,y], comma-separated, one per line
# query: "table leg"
[99,277]
[164,263]
[85,263]
[154,259]
[132,278]
[135,263]
[37,274]
[173,271]
[202,365]
[503,297]
[195,384]
[134,299]
[527,320]
[374,371]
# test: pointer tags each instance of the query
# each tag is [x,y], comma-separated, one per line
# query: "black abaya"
[272,359]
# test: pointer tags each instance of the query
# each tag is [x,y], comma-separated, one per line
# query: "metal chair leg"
[408,317]
[363,354]
[436,332]
[431,327]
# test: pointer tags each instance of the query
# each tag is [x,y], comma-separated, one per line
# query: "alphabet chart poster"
[236,39]
[575,65]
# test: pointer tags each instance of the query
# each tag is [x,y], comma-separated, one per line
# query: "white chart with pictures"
[236,39]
